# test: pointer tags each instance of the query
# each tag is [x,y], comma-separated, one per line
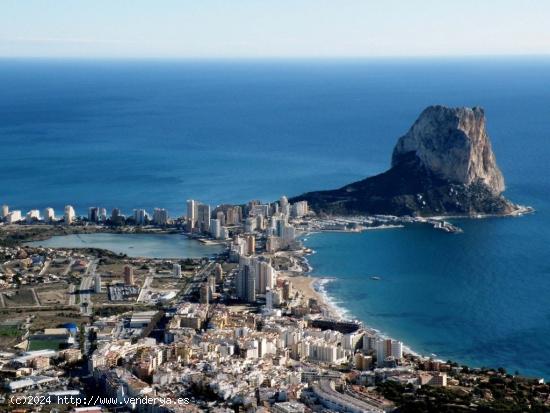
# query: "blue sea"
[132,134]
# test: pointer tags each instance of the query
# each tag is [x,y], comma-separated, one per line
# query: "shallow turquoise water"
[135,245]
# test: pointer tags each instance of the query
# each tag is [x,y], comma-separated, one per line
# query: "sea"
[154,133]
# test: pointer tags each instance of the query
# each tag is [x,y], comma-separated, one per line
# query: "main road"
[198,278]
[86,286]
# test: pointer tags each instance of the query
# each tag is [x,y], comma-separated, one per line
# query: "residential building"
[69,215]
[160,216]
[128,275]
[215,228]
[93,214]
[203,218]
[191,215]
[49,215]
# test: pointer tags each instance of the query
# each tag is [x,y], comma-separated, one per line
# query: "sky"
[272,28]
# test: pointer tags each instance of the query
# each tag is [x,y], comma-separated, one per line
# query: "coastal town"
[246,328]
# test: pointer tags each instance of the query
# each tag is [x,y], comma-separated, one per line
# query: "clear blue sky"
[273,28]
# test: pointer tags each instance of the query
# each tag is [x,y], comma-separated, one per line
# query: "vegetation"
[50,344]
[500,393]
[9,331]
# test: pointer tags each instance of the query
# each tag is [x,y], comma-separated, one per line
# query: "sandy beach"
[304,284]
[307,287]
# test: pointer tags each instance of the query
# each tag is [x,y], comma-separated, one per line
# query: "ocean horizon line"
[261,59]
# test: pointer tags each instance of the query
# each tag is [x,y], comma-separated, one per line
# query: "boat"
[375,278]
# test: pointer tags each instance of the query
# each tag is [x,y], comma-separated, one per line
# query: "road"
[198,278]
[144,288]
[86,286]
[91,267]
[84,291]
[72,295]
[38,304]
[68,269]
[45,267]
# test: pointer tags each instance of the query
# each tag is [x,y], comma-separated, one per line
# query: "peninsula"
[444,165]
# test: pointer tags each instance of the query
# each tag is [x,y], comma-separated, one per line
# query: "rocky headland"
[444,165]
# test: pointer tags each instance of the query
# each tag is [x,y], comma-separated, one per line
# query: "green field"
[44,344]
[9,331]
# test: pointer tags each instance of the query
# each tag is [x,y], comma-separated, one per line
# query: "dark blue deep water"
[147,134]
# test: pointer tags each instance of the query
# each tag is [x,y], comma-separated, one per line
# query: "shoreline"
[438,222]
[520,211]
[41,232]
[214,248]
[311,286]
[316,283]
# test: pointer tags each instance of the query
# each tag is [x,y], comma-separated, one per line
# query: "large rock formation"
[443,165]
[453,144]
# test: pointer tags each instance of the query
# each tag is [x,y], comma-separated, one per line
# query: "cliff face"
[443,165]
[453,144]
